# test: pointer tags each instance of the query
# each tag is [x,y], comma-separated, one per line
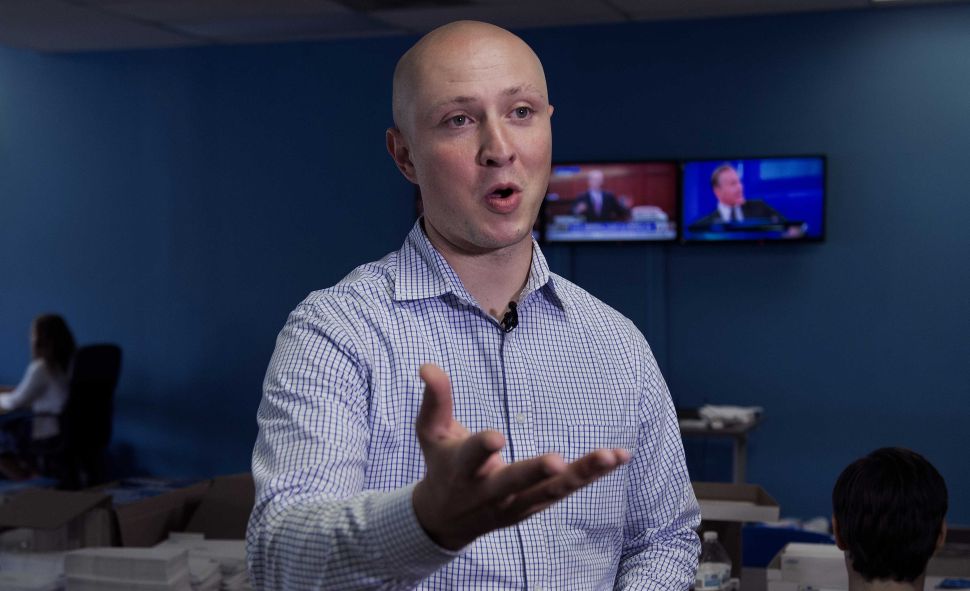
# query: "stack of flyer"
[184,562]
[800,566]
[25,581]
[228,555]
[204,574]
[128,569]
[31,571]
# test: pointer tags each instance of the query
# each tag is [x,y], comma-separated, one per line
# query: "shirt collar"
[423,273]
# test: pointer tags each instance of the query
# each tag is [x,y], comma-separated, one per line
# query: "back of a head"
[889,508]
[54,342]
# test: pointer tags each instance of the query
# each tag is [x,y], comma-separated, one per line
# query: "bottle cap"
[710,536]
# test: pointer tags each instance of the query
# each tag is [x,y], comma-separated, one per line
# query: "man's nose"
[496,147]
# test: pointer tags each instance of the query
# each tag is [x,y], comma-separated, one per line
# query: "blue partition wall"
[181,202]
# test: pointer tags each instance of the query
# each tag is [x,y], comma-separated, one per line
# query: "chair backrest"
[89,414]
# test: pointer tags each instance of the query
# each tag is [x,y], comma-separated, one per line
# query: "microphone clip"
[511,318]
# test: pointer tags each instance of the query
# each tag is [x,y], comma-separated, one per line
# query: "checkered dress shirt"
[337,457]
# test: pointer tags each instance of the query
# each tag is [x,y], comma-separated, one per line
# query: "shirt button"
[520,418]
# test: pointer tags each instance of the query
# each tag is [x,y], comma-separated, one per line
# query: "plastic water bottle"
[714,570]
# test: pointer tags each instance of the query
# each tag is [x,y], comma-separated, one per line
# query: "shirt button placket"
[522,431]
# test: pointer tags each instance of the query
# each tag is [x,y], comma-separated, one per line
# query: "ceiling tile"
[678,9]
[288,28]
[540,13]
[194,10]
[51,25]
[81,25]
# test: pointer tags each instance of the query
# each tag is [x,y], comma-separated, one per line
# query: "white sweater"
[44,390]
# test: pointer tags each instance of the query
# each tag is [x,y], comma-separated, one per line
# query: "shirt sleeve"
[661,545]
[313,524]
[32,385]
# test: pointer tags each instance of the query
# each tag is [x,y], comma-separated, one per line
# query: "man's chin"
[506,242]
[494,239]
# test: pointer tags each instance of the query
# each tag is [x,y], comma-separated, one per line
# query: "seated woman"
[43,390]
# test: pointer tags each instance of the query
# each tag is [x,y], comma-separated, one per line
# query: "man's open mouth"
[503,191]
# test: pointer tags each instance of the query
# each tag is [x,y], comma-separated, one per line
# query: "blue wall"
[181,202]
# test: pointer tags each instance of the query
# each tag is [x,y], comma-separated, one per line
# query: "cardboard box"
[147,521]
[218,508]
[224,510]
[135,513]
[43,520]
[724,509]
[722,501]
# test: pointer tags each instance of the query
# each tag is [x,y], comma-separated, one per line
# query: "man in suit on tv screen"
[597,205]
[733,209]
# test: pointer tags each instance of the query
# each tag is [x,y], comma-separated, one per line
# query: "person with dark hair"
[732,206]
[888,515]
[43,389]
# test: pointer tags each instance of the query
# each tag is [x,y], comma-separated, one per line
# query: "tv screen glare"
[611,201]
[759,199]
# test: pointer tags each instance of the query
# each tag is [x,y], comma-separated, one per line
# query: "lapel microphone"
[511,318]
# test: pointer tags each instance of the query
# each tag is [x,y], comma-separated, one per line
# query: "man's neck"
[857,583]
[494,278]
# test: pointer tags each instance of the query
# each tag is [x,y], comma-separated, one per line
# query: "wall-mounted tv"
[760,199]
[611,201]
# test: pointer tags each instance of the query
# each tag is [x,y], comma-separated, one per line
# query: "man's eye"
[523,112]
[458,121]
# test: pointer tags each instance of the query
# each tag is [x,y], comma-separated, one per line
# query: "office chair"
[76,456]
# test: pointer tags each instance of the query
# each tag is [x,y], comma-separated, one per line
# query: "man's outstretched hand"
[469,490]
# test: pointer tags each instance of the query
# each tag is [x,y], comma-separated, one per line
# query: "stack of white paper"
[819,565]
[128,569]
[204,574]
[31,571]
[229,554]
[25,581]
[237,582]
[729,415]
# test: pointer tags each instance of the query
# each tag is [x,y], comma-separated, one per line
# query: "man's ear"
[398,148]
[835,531]
[942,539]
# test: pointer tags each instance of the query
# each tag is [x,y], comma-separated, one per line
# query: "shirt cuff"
[405,547]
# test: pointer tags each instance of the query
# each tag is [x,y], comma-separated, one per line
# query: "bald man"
[456,416]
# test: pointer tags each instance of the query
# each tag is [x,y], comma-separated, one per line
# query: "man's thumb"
[436,410]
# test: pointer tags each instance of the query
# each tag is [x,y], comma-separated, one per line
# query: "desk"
[690,426]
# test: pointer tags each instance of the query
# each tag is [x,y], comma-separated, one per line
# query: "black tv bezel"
[677,197]
[683,239]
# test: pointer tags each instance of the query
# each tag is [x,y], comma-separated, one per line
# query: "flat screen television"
[611,201]
[753,199]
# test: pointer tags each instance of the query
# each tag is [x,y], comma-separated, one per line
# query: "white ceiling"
[97,25]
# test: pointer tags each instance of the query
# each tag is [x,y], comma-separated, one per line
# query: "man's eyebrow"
[510,91]
[459,100]
[514,90]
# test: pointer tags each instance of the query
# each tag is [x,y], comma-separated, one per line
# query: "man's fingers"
[476,453]
[523,475]
[575,476]
[435,414]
